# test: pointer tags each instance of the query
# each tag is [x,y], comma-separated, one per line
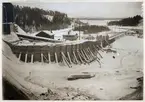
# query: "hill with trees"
[130,21]
[36,19]
[91,29]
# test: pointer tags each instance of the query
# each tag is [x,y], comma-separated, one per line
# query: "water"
[96,22]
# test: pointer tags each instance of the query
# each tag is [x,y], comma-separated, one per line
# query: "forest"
[34,18]
[130,21]
[91,29]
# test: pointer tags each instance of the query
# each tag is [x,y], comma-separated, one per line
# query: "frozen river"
[96,22]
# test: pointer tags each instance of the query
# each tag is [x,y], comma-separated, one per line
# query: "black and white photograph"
[72,50]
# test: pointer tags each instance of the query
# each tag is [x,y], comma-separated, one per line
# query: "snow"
[20,31]
[10,37]
[10,72]
[112,81]
[49,17]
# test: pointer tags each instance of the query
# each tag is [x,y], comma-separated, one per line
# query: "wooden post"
[49,57]
[19,56]
[26,57]
[42,58]
[56,59]
[32,58]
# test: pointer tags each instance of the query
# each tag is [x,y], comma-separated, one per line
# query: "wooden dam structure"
[72,53]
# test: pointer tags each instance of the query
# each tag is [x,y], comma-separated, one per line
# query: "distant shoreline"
[99,18]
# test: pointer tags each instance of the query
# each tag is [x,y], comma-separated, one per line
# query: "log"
[80,76]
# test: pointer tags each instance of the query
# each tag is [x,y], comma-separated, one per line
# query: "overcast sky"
[92,9]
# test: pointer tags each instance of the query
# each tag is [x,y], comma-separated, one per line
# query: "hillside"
[34,19]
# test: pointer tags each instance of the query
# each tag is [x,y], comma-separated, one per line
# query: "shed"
[45,34]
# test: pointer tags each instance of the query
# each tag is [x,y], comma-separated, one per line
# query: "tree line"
[130,21]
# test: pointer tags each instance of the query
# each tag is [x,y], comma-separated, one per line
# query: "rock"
[101,88]
[114,57]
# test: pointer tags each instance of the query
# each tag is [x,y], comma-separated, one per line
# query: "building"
[45,34]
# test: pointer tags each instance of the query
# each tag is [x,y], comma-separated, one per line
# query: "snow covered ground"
[111,82]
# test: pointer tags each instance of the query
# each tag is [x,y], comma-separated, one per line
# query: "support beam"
[80,57]
[75,57]
[69,57]
[98,52]
[90,57]
[100,48]
[81,53]
[86,54]
[91,52]
[65,60]
[45,58]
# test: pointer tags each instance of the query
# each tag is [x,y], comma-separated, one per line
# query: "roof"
[45,31]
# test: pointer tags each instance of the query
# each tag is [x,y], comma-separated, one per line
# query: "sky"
[91,9]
